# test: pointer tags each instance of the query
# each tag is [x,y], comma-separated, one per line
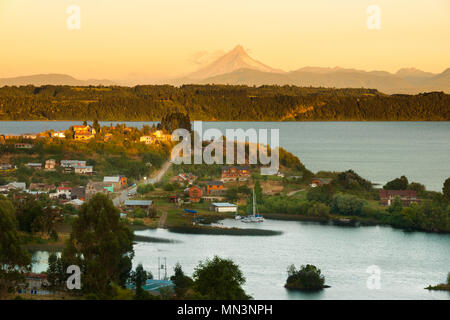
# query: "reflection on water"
[409,261]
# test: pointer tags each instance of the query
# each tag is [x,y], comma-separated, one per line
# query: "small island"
[441,286]
[307,278]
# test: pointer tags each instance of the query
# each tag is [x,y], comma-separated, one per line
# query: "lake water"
[379,151]
[408,261]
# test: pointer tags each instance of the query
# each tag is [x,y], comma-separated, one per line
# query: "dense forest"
[217,102]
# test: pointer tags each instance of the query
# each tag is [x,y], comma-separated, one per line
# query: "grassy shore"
[440,287]
[207,230]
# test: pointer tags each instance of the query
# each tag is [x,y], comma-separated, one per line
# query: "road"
[123,195]
[294,192]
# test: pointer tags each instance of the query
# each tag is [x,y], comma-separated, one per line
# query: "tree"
[322,194]
[347,204]
[139,278]
[181,281]
[101,244]
[219,279]
[258,192]
[96,126]
[397,184]
[56,272]
[231,194]
[175,120]
[418,187]
[14,259]
[307,278]
[446,189]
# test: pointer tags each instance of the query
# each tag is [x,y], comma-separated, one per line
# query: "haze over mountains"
[238,68]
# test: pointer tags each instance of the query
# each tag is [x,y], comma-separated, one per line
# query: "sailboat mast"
[254,202]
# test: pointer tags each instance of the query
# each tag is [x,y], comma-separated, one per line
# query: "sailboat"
[255,217]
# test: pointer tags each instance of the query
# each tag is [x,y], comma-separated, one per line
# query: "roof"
[397,193]
[111,179]
[223,204]
[83,167]
[138,202]
[236,167]
[76,202]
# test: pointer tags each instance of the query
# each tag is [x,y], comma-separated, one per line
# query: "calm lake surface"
[378,151]
[408,261]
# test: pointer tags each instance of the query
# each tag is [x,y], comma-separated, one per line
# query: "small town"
[52,178]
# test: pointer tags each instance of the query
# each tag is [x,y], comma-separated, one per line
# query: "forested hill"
[217,102]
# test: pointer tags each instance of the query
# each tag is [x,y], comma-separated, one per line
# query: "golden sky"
[124,39]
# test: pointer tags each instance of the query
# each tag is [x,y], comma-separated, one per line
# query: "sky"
[153,39]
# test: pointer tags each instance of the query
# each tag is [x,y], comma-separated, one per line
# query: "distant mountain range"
[238,68]
[51,79]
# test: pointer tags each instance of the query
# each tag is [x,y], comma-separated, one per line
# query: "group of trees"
[216,102]
[307,278]
[14,259]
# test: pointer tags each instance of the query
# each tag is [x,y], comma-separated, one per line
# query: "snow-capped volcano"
[234,60]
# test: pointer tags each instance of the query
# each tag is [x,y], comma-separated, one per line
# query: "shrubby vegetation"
[216,102]
[307,278]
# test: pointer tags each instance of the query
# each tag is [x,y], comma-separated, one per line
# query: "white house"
[223,207]
[83,169]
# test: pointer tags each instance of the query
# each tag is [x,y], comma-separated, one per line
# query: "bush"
[138,213]
[347,205]
[138,222]
[308,277]
[145,188]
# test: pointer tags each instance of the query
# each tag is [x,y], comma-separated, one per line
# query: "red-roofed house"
[407,197]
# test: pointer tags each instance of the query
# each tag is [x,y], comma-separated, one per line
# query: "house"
[41,187]
[83,129]
[160,135]
[147,139]
[318,182]
[154,286]
[58,134]
[223,207]
[78,193]
[235,173]
[117,182]
[83,136]
[107,137]
[83,132]
[50,164]
[7,168]
[23,146]
[174,198]
[214,187]
[183,178]
[30,136]
[142,204]
[83,169]
[72,163]
[407,197]
[35,283]
[92,188]
[34,165]
[64,192]
[13,186]
[194,193]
